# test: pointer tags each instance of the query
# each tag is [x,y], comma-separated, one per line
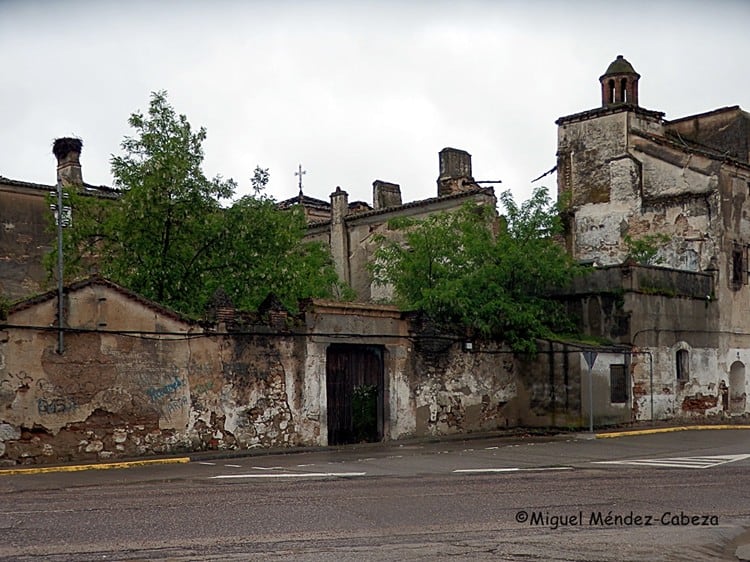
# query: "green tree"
[645,250]
[169,238]
[491,276]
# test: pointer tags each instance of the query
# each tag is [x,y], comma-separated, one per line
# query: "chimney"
[339,235]
[385,194]
[68,151]
[455,172]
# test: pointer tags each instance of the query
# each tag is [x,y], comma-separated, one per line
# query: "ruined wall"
[459,391]
[714,386]
[621,177]
[488,387]
[726,130]
[171,388]
[24,240]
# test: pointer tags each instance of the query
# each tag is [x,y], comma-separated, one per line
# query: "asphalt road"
[676,496]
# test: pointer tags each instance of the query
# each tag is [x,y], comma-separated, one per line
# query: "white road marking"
[290,475]
[513,469]
[681,462]
[208,463]
[233,465]
[490,448]
[266,467]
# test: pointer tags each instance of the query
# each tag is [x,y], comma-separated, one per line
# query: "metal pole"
[60,342]
[591,401]
[651,382]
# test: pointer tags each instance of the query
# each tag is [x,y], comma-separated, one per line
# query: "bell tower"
[619,83]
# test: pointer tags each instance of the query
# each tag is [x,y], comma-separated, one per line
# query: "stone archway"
[737,393]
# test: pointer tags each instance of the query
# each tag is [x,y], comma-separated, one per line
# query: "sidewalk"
[509,435]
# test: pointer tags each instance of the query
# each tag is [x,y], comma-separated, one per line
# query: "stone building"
[351,229]
[627,174]
[26,223]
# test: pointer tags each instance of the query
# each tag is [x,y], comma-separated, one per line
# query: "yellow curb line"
[612,435]
[102,466]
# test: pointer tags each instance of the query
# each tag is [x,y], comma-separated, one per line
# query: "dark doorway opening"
[354,384]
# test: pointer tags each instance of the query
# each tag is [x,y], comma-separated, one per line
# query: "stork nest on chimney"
[64,146]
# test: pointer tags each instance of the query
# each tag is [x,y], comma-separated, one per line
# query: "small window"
[738,267]
[618,384]
[682,365]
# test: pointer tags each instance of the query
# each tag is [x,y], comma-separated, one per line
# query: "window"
[738,266]
[618,384]
[682,365]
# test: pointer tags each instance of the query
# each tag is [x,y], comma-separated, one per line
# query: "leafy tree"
[645,250]
[491,276]
[169,238]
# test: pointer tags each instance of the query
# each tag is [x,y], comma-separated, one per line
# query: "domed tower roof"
[620,66]
[619,83]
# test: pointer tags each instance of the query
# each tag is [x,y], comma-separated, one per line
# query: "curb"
[629,433]
[100,466]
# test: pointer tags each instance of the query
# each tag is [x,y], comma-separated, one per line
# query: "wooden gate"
[354,383]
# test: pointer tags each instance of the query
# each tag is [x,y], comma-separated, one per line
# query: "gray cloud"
[352,91]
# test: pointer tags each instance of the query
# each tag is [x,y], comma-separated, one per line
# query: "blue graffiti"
[156,394]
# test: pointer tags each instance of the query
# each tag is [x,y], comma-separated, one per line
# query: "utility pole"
[60,218]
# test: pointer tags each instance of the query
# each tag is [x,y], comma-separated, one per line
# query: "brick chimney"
[68,152]
[385,194]
[455,172]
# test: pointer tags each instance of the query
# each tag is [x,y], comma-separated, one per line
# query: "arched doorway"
[737,393]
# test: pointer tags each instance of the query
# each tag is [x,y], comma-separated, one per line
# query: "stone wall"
[144,382]
[460,391]
[25,238]
[136,379]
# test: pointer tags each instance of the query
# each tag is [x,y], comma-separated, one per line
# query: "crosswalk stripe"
[513,469]
[288,475]
[681,462]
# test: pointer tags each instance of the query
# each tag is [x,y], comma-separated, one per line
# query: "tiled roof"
[675,141]
[100,190]
[305,201]
[611,110]
[412,204]
[728,109]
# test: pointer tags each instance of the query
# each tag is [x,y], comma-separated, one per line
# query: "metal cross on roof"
[300,172]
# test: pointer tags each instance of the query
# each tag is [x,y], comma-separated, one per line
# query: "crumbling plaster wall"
[619,182]
[112,394]
[459,391]
[24,240]
[699,396]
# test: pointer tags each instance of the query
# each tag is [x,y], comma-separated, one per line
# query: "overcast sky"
[353,91]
